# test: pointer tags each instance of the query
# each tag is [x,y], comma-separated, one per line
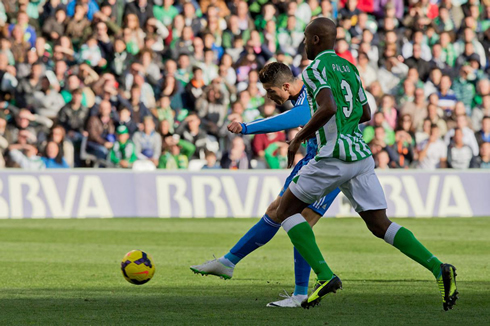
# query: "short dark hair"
[275,73]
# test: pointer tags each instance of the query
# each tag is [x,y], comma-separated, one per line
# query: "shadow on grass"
[238,305]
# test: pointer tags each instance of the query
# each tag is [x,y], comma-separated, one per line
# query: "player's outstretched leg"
[261,233]
[404,240]
[303,239]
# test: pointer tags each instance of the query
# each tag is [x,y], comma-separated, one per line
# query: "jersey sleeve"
[296,117]
[314,79]
[362,98]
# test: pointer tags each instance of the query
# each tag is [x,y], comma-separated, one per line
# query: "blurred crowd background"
[153,84]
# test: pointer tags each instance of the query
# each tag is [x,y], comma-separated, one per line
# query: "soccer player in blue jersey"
[281,86]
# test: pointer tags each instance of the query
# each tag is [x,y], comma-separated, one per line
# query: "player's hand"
[293,148]
[235,127]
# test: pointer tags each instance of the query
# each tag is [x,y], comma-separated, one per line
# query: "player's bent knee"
[377,222]
[272,209]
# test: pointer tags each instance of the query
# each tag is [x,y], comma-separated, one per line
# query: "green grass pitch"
[66,272]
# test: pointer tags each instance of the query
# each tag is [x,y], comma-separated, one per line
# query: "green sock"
[303,239]
[405,241]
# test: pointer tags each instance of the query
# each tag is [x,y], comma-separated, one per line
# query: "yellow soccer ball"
[137,267]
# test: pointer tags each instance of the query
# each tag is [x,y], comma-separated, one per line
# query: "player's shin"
[303,239]
[261,233]
[301,274]
[404,240]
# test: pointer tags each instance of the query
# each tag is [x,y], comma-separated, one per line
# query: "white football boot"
[289,301]
[214,267]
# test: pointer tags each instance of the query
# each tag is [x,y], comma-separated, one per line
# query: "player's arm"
[362,98]
[296,117]
[326,110]
[366,113]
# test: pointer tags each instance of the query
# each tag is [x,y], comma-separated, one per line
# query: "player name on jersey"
[340,68]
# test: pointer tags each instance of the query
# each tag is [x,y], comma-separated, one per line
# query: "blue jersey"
[298,116]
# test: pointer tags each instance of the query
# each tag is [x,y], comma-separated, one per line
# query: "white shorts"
[356,180]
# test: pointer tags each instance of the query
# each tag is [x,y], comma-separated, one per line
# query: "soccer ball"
[137,267]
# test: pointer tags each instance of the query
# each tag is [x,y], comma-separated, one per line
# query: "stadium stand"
[109,83]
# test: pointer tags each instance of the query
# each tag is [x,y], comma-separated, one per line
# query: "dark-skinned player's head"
[320,35]
[276,78]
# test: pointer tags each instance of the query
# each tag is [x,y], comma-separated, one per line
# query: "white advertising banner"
[221,193]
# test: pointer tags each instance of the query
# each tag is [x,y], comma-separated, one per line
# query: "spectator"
[276,155]
[148,143]
[447,98]
[469,138]
[424,133]
[123,153]
[48,101]
[176,153]
[101,130]
[211,109]
[404,149]
[211,161]
[342,50]
[417,109]
[391,74]
[66,149]
[125,119]
[366,71]
[382,160]
[480,112]
[236,158]
[483,136]
[416,61]
[483,160]
[28,31]
[379,121]
[190,131]
[165,13]
[78,26]
[28,86]
[435,116]
[90,7]
[389,111]
[54,26]
[141,8]
[25,156]
[459,155]
[432,84]
[32,125]
[73,116]
[410,48]
[289,38]
[194,89]
[52,159]
[463,89]
[433,151]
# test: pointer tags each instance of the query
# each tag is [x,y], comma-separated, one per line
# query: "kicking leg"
[261,233]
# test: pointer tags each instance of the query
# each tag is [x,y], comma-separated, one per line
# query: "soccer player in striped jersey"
[338,105]
[281,86]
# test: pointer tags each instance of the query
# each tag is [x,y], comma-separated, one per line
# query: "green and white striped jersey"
[340,136]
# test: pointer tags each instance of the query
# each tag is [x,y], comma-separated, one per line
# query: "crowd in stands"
[153,83]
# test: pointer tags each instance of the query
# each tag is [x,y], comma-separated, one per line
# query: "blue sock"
[301,274]
[257,236]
